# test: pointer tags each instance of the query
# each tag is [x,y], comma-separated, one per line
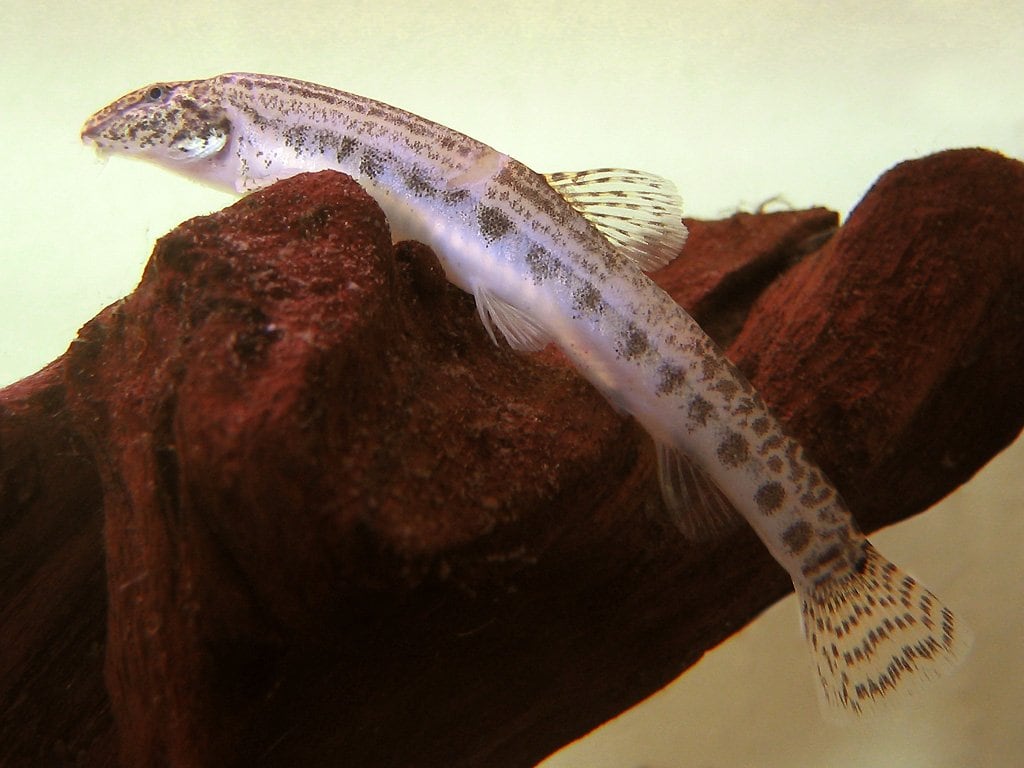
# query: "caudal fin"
[877,636]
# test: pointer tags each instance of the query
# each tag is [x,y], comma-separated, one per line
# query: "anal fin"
[696,505]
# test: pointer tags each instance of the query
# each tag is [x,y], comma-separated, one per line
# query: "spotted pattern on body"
[672,379]
[733,450]
[770,497]
[493,222]
[798,536]
[699,411]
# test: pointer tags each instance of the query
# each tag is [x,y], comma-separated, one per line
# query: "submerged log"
[340,526]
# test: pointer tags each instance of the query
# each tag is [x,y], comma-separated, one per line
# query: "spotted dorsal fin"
[639,213]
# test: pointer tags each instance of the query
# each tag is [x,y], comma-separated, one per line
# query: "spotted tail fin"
[877,636]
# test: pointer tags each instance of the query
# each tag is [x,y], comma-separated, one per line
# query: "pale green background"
[736,101]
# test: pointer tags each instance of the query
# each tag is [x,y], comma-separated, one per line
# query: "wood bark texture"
[286,504]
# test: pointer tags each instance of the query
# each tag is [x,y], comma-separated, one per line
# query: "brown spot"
[833,514]
[770,497]
[539,261]
[417,183]
[775,464]
[371,164]
[743,407]
[711,364]
[454,196]
[733,450]
[812,499]
[634,343]
[699,410]
[798,536]
[761,425]
[828,556]
[727,388]
[323,139]
[671,378]
[295,137]
[587,298]
[346,148]
[795,457]
[494,224]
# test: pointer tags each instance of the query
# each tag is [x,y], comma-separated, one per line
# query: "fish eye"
[155,93]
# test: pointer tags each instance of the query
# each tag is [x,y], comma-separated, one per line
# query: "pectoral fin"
[520,330]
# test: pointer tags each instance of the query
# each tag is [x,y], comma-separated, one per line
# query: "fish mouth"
[93,135]
[100,122]
[91,130]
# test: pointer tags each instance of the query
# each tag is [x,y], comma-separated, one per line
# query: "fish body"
[560,259]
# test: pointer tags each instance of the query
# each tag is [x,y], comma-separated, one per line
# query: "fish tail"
[877,635]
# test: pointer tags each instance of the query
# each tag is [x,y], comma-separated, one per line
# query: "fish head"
[181,126]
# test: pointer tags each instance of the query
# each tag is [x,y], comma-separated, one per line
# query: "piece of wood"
[341,527]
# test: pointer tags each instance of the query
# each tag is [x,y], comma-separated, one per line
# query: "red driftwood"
[286,504]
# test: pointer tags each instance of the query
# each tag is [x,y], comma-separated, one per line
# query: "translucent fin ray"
[694,502]
[520,330]
[639,213]
[877,636]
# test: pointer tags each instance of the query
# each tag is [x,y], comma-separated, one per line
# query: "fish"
[561,259]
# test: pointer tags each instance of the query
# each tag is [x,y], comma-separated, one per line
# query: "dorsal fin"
[639,213]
